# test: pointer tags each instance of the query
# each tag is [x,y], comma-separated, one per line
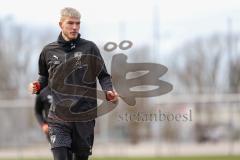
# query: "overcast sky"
[114,20]
[96,11]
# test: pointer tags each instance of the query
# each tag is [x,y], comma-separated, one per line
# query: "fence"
[168,125]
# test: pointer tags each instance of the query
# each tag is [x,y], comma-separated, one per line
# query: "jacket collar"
[68,45]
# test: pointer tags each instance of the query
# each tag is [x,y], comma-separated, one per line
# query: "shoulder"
[87,42]
[50,46]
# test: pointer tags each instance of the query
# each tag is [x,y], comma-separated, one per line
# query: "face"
[70,27]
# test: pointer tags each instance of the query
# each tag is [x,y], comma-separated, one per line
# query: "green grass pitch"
[152,158]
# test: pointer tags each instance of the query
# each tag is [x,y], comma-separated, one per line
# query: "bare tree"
[198,63]
[233,62]
[19,45]
[208,65]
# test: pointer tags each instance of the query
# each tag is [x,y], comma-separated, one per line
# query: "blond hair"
[69,12]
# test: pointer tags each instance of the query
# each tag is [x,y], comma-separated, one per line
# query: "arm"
[36,86]
[38,108]
[103,76]
[105,79]
[42,70]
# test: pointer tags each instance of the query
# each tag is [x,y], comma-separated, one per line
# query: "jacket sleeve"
[103,76]
[38,108]
[42,70]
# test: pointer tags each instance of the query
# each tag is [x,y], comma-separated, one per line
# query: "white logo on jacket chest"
[55,57]
[55,60]
[78,56]
[53,138]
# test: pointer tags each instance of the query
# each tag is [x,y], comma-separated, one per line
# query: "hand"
[45,128]
[112,96]
[34,87]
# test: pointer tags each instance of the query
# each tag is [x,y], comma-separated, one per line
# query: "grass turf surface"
[151,158]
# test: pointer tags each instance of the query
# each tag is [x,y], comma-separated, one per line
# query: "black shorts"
[78,136]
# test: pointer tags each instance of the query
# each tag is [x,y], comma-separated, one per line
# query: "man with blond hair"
[70,67]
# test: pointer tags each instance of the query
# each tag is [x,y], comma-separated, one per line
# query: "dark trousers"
[64,153]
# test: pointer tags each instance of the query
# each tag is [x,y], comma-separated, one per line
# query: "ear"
[60,24]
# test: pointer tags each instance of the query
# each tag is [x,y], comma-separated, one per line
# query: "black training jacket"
[70,69]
